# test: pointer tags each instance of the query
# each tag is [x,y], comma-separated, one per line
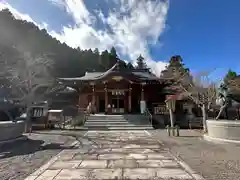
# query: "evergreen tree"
[67,62]
[130,66]
[141,63]
[78,49]
[104,60]
[175,65]
[122,65]
[96,51]
[113,57]
[229,76]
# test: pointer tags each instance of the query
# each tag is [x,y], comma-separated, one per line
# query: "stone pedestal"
[224,130]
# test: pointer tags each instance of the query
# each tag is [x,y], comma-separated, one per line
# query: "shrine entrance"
[118,101]
[118,105]
[102,105]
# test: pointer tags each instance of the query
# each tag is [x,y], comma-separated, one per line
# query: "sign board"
[161,109]
[117,78]
[55,114]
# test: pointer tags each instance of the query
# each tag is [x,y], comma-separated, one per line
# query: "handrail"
[85,113]
[147,113]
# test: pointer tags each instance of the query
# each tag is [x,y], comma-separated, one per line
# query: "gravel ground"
[20,158]
[212,161]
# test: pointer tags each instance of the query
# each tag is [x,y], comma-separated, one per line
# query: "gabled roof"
[91,75]
[137,75]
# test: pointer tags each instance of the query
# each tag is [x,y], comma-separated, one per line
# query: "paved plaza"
[114,155]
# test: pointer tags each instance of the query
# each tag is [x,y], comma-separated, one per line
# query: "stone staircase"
[117,122]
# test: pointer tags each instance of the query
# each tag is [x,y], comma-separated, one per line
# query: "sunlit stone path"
[106,155]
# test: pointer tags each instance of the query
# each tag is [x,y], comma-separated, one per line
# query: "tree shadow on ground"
[27,147]
[74,134]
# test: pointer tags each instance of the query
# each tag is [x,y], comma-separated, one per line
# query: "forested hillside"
[17,36]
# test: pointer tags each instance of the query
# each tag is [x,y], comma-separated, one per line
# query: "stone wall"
[224,129]
[11,130]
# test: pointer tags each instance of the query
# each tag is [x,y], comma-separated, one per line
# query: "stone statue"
[224,100]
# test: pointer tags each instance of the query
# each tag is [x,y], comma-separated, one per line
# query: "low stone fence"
[224,130]
[10,130]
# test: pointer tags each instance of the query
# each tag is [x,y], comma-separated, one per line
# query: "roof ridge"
[109,70]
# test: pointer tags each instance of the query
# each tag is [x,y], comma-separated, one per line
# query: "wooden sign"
[117,78]
[160,109]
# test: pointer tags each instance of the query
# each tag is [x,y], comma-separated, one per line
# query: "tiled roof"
[88,76]
[138,74]
[145,75]
[91,75]
[99,75]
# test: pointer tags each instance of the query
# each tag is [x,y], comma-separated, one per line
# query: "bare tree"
[28,75]
[200,89]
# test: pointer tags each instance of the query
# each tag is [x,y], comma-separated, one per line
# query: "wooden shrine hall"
[119,90]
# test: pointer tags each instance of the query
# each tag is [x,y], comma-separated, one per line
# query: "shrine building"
[120,89]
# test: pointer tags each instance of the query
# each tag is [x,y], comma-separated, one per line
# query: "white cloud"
[132,26]
[21,16]
[17,15]
[135,25]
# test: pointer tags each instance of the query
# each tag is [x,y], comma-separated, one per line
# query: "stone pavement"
[114,155]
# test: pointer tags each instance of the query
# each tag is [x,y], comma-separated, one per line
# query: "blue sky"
[205,33]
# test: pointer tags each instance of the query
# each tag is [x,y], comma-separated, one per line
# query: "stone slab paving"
[106,155]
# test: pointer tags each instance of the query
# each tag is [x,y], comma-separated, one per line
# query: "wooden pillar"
[93,97]
[130,99]
[93,94]
[79,100]
[106,98]
[142,91]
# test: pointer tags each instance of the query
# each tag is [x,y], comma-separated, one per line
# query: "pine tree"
[175,65]
[130,66]
[113,57]
[229,76]
[104,60]
[141,63]
[96,51]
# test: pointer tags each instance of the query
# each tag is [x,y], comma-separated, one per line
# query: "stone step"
[120,128]
[117,122]
[82,128]
[102,123]
[92,117]
[97,119]
[114,120]
[107,116]
[115,125]
[121,121]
